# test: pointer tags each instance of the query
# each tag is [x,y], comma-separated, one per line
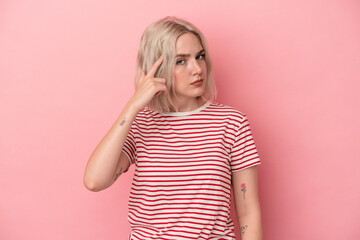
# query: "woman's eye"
[181,61]
[202,56]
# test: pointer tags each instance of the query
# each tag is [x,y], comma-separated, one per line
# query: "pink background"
[67,69]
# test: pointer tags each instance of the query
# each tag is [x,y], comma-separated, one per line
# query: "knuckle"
[153,86]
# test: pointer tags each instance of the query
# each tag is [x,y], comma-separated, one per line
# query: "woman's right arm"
[101,167]
[107,161]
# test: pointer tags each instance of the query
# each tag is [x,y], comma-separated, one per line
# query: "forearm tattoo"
[243,228]
[123,121]
[117,174]
[243,189]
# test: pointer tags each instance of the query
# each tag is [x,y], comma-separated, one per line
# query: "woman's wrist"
[133,107]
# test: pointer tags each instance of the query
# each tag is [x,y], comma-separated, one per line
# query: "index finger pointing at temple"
[155,67]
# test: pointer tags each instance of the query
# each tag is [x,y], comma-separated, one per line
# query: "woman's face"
[190,69]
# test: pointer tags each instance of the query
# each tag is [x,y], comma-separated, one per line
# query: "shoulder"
[147,112]
[226,110]
[145,116]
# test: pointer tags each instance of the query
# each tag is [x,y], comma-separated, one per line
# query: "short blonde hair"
[159,39]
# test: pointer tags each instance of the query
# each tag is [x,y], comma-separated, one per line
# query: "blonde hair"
[159,39]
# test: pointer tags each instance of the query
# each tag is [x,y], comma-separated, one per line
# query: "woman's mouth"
[197,82]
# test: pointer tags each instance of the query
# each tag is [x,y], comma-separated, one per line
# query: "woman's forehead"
[188,43]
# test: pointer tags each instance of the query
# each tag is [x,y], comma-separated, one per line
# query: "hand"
[148,86]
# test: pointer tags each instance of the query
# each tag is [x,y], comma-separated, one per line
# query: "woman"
[188,150]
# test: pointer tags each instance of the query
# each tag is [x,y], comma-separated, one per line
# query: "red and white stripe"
[182,181]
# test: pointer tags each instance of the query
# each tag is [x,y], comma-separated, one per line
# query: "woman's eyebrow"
[188,55]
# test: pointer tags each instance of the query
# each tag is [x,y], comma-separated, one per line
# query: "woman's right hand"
[149,86]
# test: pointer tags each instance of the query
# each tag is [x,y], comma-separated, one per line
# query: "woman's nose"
[195,67]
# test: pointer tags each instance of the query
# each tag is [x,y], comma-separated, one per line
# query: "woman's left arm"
[246,197]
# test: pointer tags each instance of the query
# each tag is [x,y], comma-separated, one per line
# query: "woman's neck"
[188,105]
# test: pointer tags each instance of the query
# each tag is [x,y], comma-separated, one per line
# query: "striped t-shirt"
[183,163]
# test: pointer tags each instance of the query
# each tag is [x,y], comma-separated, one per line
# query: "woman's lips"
[197,82]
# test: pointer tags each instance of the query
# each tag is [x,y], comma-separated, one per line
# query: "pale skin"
[246,197]
[108,162]
[190,67]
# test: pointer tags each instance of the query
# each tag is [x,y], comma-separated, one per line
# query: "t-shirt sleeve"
[129,147]
[244,153]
